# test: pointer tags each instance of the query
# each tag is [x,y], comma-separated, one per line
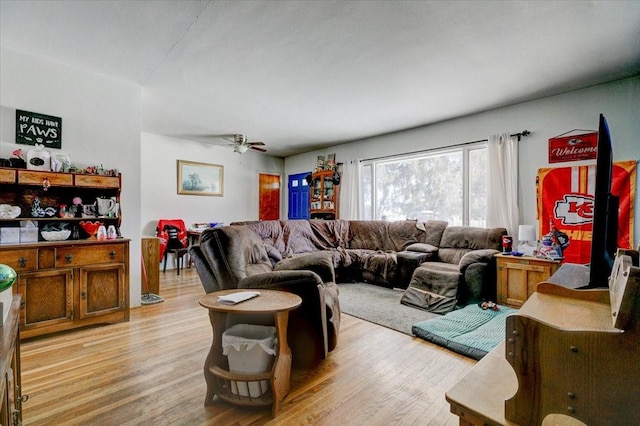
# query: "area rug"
[470,331]
[380,305]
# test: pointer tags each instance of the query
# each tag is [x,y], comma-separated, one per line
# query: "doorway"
[269,197]
[298,196]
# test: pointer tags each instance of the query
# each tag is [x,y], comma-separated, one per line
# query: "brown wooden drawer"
[36,177]
[22,260]
[89,255]
[97,181]
[7,176]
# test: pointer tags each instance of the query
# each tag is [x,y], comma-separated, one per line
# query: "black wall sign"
[33,128]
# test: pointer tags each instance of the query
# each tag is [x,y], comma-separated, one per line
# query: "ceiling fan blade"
[255,143]
[255,148]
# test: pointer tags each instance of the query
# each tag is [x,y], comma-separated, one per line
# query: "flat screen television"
[604,235]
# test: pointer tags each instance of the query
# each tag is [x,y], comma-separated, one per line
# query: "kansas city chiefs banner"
[565,196]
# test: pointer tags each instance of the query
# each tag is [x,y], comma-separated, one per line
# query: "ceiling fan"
[241,144]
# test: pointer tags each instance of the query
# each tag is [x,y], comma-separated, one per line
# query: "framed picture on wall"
[200,178]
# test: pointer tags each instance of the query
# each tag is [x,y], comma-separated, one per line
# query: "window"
[446,185]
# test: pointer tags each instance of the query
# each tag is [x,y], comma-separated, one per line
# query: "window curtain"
[350,198]
[502,188]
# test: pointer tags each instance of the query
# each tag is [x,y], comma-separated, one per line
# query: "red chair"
[173,239]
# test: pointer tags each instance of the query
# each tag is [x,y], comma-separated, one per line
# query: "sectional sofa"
[442,266]
[454,262]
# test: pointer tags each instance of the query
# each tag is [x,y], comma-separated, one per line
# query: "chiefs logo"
[574,209]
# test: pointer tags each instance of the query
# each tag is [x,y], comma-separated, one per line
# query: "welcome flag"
[565,197]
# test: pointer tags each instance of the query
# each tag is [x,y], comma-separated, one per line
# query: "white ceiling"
[300,75]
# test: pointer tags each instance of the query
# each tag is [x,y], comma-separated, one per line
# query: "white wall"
[546,118]
[160,199]
[100,125]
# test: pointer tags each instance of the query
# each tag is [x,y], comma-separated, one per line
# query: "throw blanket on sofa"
[470,331]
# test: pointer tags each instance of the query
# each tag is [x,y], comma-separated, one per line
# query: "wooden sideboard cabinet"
[11,398]
[70,284]
[63,284]
[519,276]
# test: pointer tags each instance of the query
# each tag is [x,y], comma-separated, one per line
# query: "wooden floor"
[149,371]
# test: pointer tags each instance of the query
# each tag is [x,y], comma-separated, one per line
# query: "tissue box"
[9,235]
[28,235]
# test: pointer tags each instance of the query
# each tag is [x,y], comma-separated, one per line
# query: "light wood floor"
[149,371]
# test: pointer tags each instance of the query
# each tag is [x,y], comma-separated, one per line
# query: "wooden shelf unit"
[324,196]
[20,187]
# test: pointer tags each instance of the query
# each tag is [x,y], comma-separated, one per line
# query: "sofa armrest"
[281,279]
[306,322]
[205,273]
[422,248]
[476,256]
[320,262]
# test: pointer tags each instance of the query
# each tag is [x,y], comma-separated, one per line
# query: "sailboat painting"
[200,178]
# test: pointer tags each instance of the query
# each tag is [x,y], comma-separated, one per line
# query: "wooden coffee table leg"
[282,364]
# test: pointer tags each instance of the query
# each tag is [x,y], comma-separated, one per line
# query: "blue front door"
[298,196]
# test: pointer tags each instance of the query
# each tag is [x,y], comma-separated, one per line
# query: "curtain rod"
[520,135]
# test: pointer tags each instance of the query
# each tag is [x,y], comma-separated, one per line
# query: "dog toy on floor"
[488,304]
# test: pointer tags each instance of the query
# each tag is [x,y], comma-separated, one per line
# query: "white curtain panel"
[350,198]
[502,191]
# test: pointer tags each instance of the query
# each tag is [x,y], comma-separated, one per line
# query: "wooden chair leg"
[164,266]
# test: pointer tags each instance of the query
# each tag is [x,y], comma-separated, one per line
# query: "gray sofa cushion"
[299,237]
[433,230]
[380,235]
[459,240]
[270,231]
[434,291]
[330,234]
[320,262]
[422,248]
[440,266]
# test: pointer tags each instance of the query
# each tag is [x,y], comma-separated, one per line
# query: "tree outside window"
[448,185]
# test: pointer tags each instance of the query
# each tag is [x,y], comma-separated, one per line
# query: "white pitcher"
[105,205]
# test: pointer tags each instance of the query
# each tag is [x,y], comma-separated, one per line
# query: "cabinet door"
[101,290]
[47,298]
[518,280]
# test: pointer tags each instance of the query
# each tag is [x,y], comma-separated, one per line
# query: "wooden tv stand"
[572,354]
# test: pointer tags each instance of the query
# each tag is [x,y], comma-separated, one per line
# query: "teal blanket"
[470,331]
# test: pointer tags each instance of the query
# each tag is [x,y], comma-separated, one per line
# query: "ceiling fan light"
[241,148]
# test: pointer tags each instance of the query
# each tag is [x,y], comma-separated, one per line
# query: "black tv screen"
[604,233]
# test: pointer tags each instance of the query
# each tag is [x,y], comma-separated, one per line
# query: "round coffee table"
[216,367]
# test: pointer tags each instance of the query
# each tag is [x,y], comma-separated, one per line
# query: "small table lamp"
[526,234]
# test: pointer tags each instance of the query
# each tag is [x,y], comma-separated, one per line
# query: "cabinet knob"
[84,294]
[23,262]
[112,254]
[68,258]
